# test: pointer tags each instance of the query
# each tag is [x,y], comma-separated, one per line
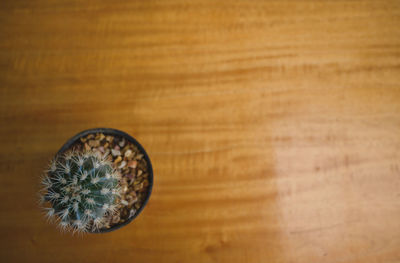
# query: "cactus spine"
[82,190]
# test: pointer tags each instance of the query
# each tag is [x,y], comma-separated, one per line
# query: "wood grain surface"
[273,126]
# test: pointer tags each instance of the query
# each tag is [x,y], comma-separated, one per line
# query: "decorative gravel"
[130,163]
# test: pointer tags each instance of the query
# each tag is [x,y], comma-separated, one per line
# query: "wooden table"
[273,126]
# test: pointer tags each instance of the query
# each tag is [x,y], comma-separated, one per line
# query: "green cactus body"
[82,190]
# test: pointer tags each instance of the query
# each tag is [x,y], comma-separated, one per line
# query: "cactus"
[82,189]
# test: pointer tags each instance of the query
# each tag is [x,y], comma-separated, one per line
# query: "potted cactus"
[99,180]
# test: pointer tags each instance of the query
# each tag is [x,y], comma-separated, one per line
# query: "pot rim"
[115,132]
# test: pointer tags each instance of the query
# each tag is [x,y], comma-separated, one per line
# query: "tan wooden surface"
[273,126]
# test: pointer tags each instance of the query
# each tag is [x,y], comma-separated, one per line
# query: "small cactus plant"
[81,190]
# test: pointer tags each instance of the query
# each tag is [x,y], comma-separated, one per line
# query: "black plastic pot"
[118,133]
